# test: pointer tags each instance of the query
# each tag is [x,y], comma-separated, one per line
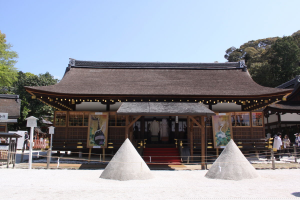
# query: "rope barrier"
[62,159]
[263,156]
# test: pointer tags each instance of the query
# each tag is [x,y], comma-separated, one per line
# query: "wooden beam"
[131,124]
[127,134]
[195,121]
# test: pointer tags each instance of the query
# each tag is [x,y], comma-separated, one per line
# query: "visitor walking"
[297,139]
[277,145]
[26,137]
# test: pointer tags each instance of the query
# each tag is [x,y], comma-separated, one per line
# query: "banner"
[98,129]
[222,130]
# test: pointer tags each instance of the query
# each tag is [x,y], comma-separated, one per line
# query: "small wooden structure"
[9,155]
[190,110]
[10,105]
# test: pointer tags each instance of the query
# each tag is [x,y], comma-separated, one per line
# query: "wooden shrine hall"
[99,104]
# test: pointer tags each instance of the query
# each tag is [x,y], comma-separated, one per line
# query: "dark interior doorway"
[160,130]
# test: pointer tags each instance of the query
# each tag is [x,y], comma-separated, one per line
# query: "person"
[135,132]
[164,130]
[286,144]
[26,137]
[297,139]
[154,128]
[277,145]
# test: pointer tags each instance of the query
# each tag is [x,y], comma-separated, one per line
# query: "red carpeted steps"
[161,155]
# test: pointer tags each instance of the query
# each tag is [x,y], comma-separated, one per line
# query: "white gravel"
[85,184]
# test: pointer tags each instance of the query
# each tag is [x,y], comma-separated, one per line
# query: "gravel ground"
[86,184]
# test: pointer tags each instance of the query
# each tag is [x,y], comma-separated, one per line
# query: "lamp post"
[31,122]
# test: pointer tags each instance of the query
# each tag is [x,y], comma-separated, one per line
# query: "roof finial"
[243,65]
[71,62]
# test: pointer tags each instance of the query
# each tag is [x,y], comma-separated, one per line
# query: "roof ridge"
[154,65]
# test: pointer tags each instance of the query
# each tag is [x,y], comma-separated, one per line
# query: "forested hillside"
[271,61]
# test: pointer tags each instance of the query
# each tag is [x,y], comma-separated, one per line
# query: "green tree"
[296,36]
[271,61]
[263,74]
[29,106]
[278,64]
[284,57]
[251,51]
[8,73]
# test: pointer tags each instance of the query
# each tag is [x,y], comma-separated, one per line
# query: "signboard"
[4,147]
[98,130]
[222,130]
[3,116]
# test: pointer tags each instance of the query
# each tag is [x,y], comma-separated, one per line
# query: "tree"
[29,106]
[251,51]
[263,74]
[284,57]
[271,61]
[8,73]
[296,36]
[278,64]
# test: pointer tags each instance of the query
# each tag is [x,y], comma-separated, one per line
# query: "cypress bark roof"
[168,79]
[293,108]
[10,104]
[292,103]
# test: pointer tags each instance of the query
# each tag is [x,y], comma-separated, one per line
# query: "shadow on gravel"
[296,194]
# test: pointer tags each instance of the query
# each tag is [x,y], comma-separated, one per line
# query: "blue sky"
[46,34]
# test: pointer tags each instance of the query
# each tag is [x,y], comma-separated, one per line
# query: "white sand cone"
[232,165]
[127,164]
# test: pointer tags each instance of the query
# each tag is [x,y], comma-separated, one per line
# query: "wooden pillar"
[279,122]
[103,153]
[203,143]
[269,129]
[142,133]
[127,128]
[251,125]
[90,152]
[107,107]
[191,134]
[131,130]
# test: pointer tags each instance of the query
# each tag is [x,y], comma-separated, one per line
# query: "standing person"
[286,144]
[26,137]
[277,145]
[297,139]
[154,128]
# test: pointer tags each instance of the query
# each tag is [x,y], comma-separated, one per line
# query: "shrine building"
[154,104]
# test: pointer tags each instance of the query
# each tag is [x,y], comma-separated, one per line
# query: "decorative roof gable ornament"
[71,62]
[297,80]
[243,65]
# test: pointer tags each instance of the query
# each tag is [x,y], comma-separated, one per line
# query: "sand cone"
[127,164]
[232,165]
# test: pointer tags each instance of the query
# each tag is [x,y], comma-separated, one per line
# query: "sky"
[45,34]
